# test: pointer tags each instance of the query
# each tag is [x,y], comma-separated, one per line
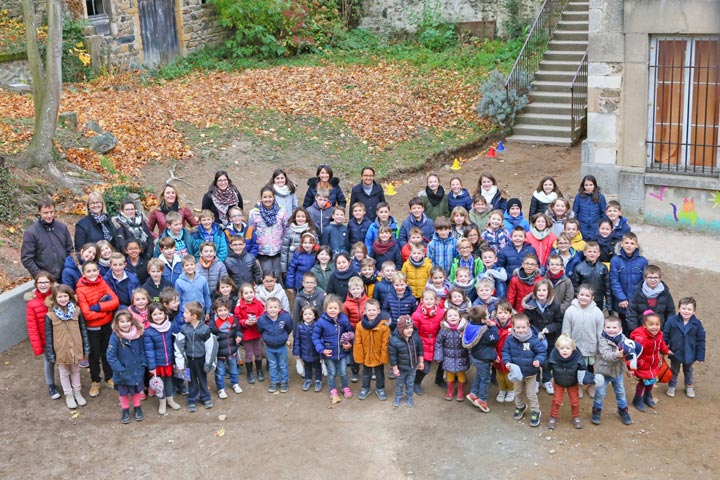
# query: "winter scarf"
[488,195]
[554,279]
[521,338]
[652,292]
[545,198]
[383,248]
[283,191]
[102,221]
[135,226]
[528,279]
[370,324]
[62,314]
[538,234]
[103,263]
[131,334]
[269,216]
[162,327]
[223,200]
[165,208]
[416,264]
[435,197]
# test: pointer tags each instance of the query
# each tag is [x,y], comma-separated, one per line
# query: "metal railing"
[528,61]
[578,99]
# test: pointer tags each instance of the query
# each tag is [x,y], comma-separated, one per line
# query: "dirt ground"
[299,434]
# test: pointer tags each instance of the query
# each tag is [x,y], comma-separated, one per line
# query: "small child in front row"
[480,337]
[525,350]
[650,336]
[247,312]
[685,335]
[126,356]
[191,352]
[406,357]
[225,326]
[372,336]
[159,354]
[564,363]
[275,327]
[303,348]
[330,338]
[503,321]
[450,354]
[614,349]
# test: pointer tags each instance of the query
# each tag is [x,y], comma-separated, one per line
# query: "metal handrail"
[528,61]
[578,98]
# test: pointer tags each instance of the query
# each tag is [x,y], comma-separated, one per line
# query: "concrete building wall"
[13,327]
[615,150]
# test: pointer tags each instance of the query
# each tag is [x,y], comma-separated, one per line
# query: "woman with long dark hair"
[221,196]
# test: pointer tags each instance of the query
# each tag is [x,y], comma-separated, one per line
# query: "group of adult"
[47,243]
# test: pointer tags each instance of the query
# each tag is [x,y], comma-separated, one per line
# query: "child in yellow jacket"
[372,336]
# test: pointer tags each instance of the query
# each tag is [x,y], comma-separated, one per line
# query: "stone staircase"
[547,118]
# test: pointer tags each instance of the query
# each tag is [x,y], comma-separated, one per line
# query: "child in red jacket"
[35,312]
[650,336]
[247,311]
[522,281]
[427,319]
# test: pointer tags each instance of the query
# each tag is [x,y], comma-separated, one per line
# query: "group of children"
[463,281]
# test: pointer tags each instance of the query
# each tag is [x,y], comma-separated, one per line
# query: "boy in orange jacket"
[372,336]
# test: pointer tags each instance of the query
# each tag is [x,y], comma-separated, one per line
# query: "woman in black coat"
[324,179]
[221,196]
[368,192]
[97,225]
[130,225]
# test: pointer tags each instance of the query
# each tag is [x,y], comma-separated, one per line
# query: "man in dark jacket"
[46,243]
[368,192]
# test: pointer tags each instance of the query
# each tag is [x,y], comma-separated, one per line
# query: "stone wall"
[201,26]
[401,16]
[14,72]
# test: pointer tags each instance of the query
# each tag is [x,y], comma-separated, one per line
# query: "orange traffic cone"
[455,165]
[390,190]
[491,153]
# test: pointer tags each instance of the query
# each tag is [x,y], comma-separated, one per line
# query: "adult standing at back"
[221,196]
[46,243]
[169,202]
[96,225]
[368,192]
[284,191]
[130,225]
[324,179]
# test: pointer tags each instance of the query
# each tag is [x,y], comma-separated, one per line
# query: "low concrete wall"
[13,328]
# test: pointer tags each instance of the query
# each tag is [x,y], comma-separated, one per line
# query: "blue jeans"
[337,367]
[619,387]
[481,383]
[231,365]
[407,380]
[49,369]
[675,369]
[277,359]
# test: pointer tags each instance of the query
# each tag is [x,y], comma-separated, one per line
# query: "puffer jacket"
[303,346]
[243,268]
[523,354]
[404,352]
[480,340]
[382,290]
[648,363]
[626,273]
[397,306]
[565,370]
[519,289]
[242,311]
[338,282]
[159,347]
[71,272]
[213,273]
[248,233]
[563,290]
[569,264]
[427,322]
[449,350]
[374,228]
[127,360]
[512,222]
[417,276]
[302,262]
[371,342]
[321,217]
[550,318]
[269,238]
[589,214]
[69,346]
[291,241]
[686,341]
[262,294]
[543,247]
[585,326]
[326,336]
[511,259]
[357,231]
[540,202]
[89,294]
[35,311]
[663,305]
[606,362]
[323,274]
[336,197]
[227,332]
[425,224]
[354,308]
[335,236]
[597,276]
[303,298]
[463,199]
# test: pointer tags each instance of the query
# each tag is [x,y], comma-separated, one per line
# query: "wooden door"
[159,31]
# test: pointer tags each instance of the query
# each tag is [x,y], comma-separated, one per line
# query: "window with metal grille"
[684,107]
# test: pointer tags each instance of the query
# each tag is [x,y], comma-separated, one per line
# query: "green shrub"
[433,32]
[496,104]
[515,27]
[114,195]
[75,58]
[8,201]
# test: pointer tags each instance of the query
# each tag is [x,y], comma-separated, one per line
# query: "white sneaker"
[690,391]
[222,394]
[549,388]
[501,396]
[670,392]
[80,399]
[237,389]
[510,397]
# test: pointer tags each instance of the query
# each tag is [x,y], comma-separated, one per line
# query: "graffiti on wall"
[682,207]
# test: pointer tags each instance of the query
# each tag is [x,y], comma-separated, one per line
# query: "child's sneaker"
[222,394]
[307,385]
[272,388]
[354,378]
[690,391]
[79,398]
[510,397]
[472,398]
[318,386]
[381,394]
[364,393]
[410,402]
[84,363]
[501,396]
[482,405]
[625,416]
[192,407]
[110,383]
[334,397]
[94,389]
[549,388]
[53,391]
[577,423]
[70,402]
[208,404]
[670,392]
[347,393]
[237,388]
[396,402]
[284,388]
[535,418]
[519,412]
[551,423]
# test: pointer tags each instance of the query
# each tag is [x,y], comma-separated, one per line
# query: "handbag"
[664,372]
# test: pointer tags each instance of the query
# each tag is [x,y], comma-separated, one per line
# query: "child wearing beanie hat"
[406,357]
[513,215]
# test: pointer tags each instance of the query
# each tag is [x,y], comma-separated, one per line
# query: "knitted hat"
[514,202]
[403,322]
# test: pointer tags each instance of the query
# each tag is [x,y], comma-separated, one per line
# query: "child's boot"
[79,398]
[162,408]
[139,417]
[125,417]
[260,374]
[450,391]
[70,401]
[639,403]
[649,400]
[334,397]
[461,392]
[171,403]
[597,416]
[250,374]
[625,416]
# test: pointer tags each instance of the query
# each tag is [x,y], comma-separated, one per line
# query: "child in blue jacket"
[303,260]
[126,356]
[627,268]
[333,342]
[304,349]
[275,327]
[685,337]
[160,355]
[523,350]
[589,207]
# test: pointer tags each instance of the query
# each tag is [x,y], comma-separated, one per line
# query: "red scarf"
[383,248]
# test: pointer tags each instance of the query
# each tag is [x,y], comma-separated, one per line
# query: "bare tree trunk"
[46,82]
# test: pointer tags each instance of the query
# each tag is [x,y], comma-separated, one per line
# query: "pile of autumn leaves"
[382,105]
